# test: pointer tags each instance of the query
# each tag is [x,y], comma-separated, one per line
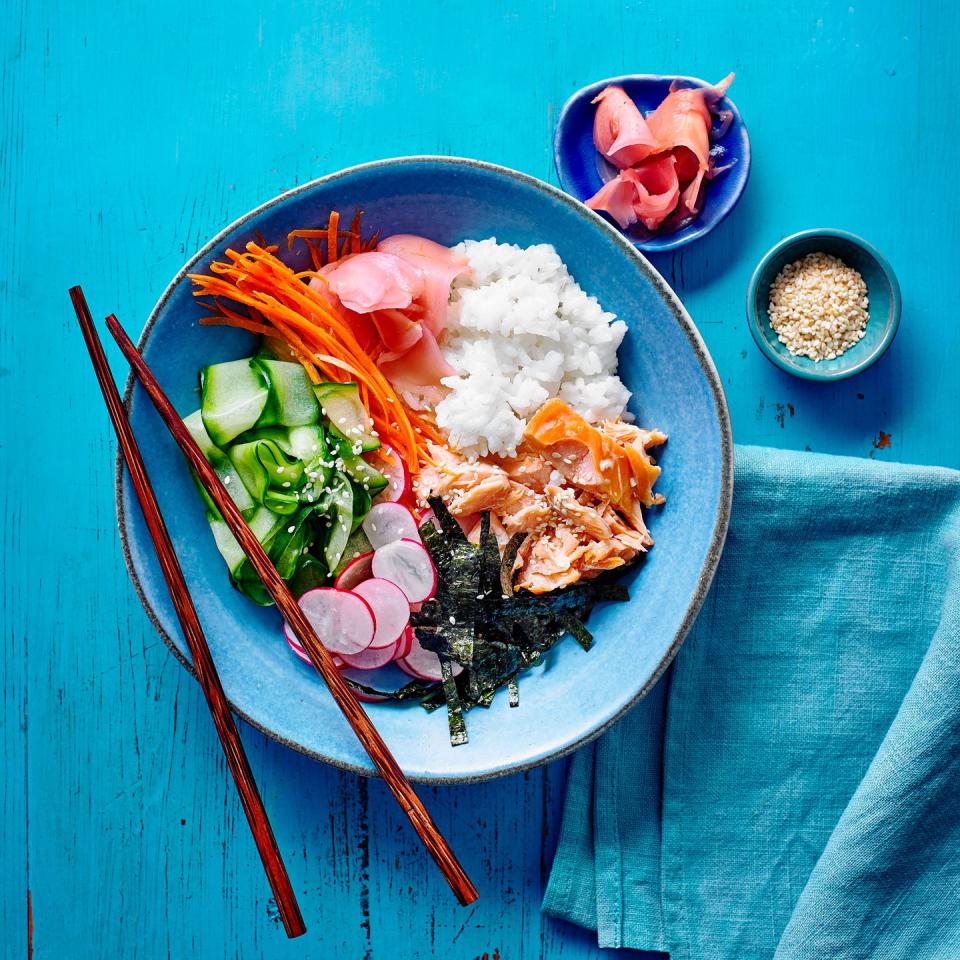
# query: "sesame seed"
[286,483]
[226,480]
[291,528]
[818,306]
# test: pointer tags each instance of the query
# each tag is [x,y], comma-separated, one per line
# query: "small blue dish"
[583,171]
[663,360]
[883,292]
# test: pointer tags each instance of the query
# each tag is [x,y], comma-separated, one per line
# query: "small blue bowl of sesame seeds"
[823,304]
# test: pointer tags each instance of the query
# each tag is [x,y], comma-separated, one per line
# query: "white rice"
[520,331]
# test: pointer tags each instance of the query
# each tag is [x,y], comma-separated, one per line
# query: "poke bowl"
[572,694]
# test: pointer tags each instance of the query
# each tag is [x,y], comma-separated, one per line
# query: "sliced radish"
[369,697]
[404,644]
[294,644]
[371,658]
[388,679]
[390,607]
[391,465]
[424,664]
[407,564]
[343,621]
[423,514]
[356,571]
[389,522]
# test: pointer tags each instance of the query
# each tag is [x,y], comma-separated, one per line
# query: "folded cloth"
[791,788]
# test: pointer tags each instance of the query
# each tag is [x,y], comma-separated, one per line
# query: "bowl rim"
[801,370]
[648,246]
[721,516]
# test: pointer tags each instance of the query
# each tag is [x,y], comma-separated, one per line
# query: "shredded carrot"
[280,304]
[355,243]
[332,236]
[334,362]
[233,320]
[304,235]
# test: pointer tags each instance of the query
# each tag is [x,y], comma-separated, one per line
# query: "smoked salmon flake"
[577,489]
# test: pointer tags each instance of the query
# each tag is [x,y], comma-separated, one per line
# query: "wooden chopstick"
[192,631]
[345,699]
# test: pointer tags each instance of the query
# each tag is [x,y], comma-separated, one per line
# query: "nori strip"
[448,524]
[509,559]
[580,633]
[460,595]
[458,726]
[514,692]
[489,559]
[438,549]
[415,690]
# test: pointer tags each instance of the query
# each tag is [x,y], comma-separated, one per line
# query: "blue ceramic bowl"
[576,694]
[583,171]
[883,291]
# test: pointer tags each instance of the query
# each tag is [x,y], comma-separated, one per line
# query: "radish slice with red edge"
[371,658]
[356,571]
[369,697]
[343,621]
[389,522]
[407,564]
[391,465]
[425,514]
[390,607]
[404,644]
[294,644]
[424,664]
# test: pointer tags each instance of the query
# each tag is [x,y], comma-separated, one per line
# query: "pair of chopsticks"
[196,641]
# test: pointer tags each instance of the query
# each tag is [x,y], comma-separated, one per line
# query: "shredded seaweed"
[510,552]
[455,719]
[448,524]
[477,620]
[580,633]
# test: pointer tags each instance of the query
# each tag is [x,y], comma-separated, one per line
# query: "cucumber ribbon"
[291,456]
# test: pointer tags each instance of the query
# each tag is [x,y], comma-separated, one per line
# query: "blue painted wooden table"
[129,137]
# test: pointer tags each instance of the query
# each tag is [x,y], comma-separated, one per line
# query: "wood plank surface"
[130,134]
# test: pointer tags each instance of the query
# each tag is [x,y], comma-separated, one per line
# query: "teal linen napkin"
[791,788]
